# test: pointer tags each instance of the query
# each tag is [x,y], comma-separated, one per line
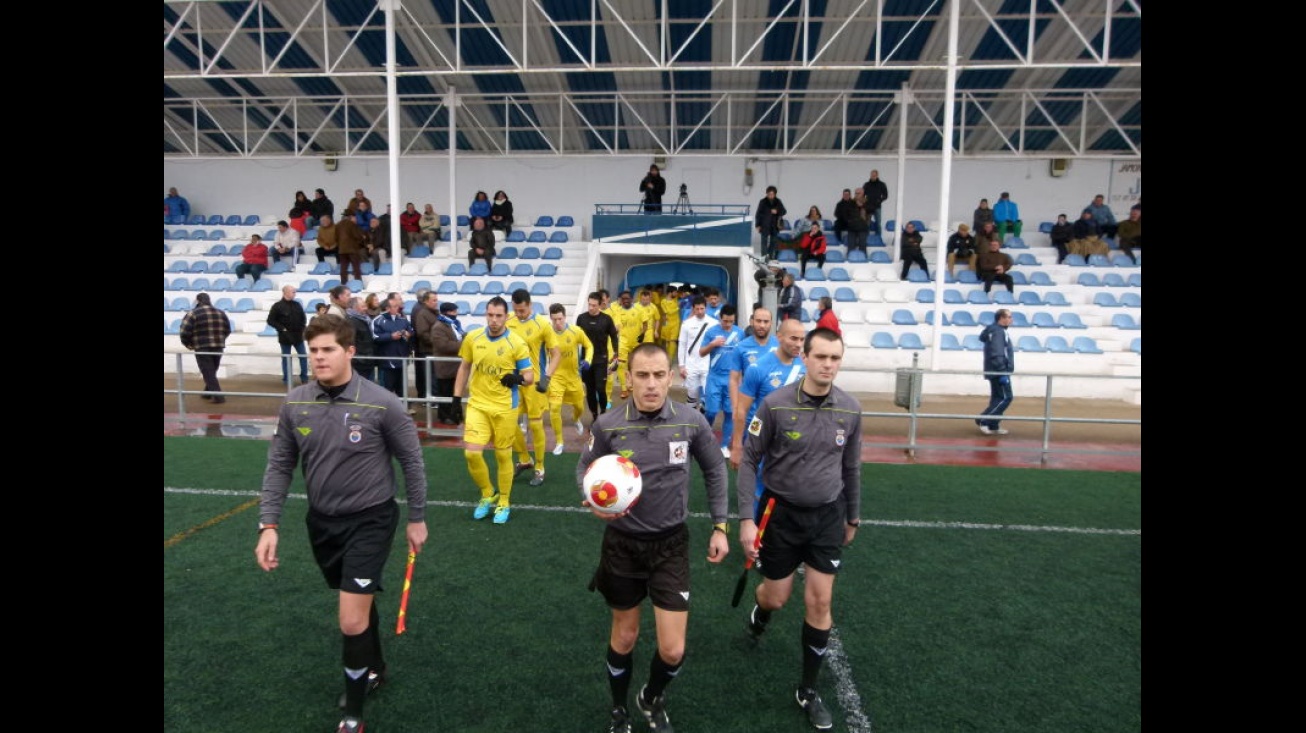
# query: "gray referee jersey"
[812,454]
[346,445]
[660,447]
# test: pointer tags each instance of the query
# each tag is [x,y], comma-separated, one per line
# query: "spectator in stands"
[1102,214]
[326,239]
[363,215]
[911,250]
[843,212]
[481,206]
[205,329]
[790,301]
[424,318]
[987,231]
[410,223]
[429,224]
[286,244]
[1087,238]
[298,220]
[349,247]
[1062,232]
[372,305]
[767,221]
[363,343]
[983,215]
[321,309]
[176,204]
[877,192]
[995,264]
[1130,233]
[446,338]
[320,206]
[501,213]
[359,198]
[653,186]
[302,203]
[339,297]
[1006,215]
[859,222]
[961,245]
[999,362]
[392,334]
[481,244]
[802,226]
[254,258]
[826,317]
[376,249]
[812,246]
[287,318]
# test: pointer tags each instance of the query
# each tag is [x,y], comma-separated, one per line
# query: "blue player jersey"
[749,351]
[766,376]
[721,358]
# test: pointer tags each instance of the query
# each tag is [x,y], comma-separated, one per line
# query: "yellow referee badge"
[755,427]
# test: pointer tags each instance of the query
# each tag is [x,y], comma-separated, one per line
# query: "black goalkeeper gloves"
[542,384]
[511,379]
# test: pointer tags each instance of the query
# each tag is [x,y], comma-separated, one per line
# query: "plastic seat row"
[1110,280]
[1118,259]
[213,220]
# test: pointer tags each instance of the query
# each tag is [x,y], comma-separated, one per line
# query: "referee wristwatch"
[262,526]
[854,523]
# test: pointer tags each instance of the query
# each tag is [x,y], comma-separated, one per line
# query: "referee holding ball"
[646,550]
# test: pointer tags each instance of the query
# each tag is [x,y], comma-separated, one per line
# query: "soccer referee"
[646,550]
[809,435]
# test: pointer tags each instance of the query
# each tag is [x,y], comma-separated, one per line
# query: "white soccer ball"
[612,484]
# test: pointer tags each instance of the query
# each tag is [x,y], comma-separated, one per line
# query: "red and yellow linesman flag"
[402,626]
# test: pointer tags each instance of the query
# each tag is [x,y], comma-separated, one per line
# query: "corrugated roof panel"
[1111,140]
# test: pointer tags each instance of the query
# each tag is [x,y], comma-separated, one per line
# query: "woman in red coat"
[410,223]
[813,247]
[827,318]
[254,258]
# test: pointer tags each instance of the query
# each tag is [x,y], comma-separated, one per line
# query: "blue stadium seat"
[500,270]
[515,235]
[953,295]
[470,287]
[1029,343]
[1136,346]
[1125,321]
[566,221]
[558,237]
[1056,298]
[1114,280]
[231,221]
[1042,279]
[917,275]
[903,317]
[1074,260]
[196,220]
[1088,280]
[963,318]
[1002,296]
[523,270]
[1018,278]
[1070,319]
[874,240]
[910,340]
[516,285]
[1057,345]
[1029,298]
[1120,259]
[322,268]
[1131,300]
[241,286]
[220,284]
[387,269]
[179,283]
[217,234]
[176,220]
[198,267]
[985,319]
[1043,319]
[1045,227]
[508,253]
[178,266]
[548,269]
[977,297]
[479,309]
[447,235]
[1099,261]
[464,221]
[530,253]
[949,342]
[552,253]
[855,257]
[445,221]
[537,237]
[180,304]
[173,327]
[541,289]
[835,256]
[1014,242]
[815,274]
[787,255]
[845,295]
[493,287]
[264,285]
[419,252]
[447,287]
[971,342]
[250,220]
[838,274]
[968,277]
[224,304]
[817,292]
[1106,300]
[879,256]
[311,285]
[925,295]
[456,269]
[355,285]
[1086,345]
[478,269]
[1027,259]
[544,221]
[244,305]
[1019,319]
[419,285]
[883,340]
[199,234]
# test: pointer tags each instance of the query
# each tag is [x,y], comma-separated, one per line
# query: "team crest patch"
[355,433]
[839,438]
[775,381]
[755,427]
[679,452]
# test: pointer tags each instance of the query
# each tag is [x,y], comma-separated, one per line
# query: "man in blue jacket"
[1006,215]
[999,362]
[393,335]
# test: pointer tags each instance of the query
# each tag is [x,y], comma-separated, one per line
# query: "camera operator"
[653,186]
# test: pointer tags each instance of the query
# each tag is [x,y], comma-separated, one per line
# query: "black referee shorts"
[631,568]
[352,550]
[797,534]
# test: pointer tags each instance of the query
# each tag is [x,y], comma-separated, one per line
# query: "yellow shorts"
[533,404]
[490,428]
[568,390]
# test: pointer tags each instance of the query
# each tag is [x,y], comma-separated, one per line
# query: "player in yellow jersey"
[632,324]
[652,315]
[496,364]
[576,353]
[538,334]
[670,334]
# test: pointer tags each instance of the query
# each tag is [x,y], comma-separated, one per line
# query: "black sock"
[357,652]
[374,631]
[660,675]
[814,645]
[619,676]
[761,617]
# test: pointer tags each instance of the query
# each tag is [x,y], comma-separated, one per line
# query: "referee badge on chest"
[355,433]
[679,451]
[839,438]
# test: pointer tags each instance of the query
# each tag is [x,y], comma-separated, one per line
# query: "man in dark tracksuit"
[348,431]
[999,362]
[646,549]
[809,435]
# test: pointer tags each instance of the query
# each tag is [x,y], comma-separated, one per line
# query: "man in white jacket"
[693,367]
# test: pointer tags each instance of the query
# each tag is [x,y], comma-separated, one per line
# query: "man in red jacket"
[813,246]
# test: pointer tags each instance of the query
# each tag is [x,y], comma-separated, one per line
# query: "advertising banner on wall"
[1126,187]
